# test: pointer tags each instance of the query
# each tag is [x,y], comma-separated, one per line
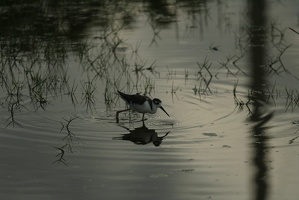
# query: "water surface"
[62,63]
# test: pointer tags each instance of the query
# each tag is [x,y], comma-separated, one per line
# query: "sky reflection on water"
[225,71]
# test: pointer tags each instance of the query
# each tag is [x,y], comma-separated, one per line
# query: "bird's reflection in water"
[142,135]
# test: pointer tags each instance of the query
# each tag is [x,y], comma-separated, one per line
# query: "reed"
[292,99]
[88,95]
[204,74]
[239,102]
[68,140]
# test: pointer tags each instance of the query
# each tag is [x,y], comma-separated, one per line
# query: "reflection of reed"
[68,141]
[295,122]
[142,135]
[35,65]
[42,73]
[259,115]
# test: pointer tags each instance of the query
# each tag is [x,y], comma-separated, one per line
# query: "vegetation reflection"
[44,42]
[260,114]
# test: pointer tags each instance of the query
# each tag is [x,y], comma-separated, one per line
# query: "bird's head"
[158,103]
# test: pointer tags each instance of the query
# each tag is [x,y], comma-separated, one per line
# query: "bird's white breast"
[144,108]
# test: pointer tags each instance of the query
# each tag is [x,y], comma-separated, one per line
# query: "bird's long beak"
[164,111]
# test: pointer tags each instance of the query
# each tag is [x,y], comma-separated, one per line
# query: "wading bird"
[141,104]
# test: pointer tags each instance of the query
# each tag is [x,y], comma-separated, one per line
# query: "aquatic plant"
[68,140]
[239,102]
[201,75]
[292,99]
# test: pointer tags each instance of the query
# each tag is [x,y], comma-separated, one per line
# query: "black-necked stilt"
[141,104]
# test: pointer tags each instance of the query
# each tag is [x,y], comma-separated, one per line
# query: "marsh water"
[226,71]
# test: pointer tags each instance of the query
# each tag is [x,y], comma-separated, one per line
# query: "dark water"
[226,71]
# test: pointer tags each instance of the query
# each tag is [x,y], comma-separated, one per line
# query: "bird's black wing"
[134,98]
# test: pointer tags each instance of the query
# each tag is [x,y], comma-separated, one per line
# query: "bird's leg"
[117,113]
[143,124]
